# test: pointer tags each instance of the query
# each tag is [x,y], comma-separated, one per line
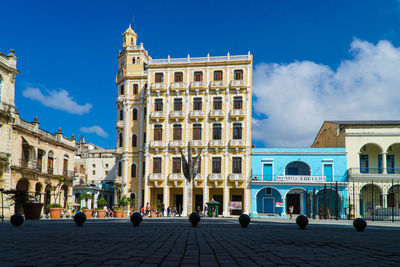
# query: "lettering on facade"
[301,178]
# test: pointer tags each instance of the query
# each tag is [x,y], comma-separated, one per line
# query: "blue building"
[312,180]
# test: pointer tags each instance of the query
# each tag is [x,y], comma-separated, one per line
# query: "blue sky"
[68,50]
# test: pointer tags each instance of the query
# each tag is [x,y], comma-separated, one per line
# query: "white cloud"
[298,97]
[60,100]
[94,129]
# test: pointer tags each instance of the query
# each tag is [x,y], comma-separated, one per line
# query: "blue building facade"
[311,180]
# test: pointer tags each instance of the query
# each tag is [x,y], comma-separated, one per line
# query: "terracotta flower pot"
[123,214]
[32,211]
[88,213]
[101,213]
[55,213]
[118,213]
[153,214]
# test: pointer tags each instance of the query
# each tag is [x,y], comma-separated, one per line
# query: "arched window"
[134,140]
[138,60]
[120,139]
[121,115]
[134,114]
[133,171]
[119,169]
[133,60]
[121,90]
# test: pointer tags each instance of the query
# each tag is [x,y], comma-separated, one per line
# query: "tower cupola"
[130,37]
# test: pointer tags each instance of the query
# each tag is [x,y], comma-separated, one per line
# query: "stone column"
[384,167]
[302,202]
[384,200]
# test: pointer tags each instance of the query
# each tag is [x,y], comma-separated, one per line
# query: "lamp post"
[2,205]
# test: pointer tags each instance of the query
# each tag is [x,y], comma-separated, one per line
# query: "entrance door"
[268,205]
[293,200]
[179,203]
[198,203]
[219,198]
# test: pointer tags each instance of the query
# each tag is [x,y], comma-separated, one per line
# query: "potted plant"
[30,206]
[101,212]
[55,210]
[88,212]
[118,212]
[159,205]
[153,212]
[124,202]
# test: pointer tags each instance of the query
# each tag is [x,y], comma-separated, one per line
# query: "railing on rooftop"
[199,59]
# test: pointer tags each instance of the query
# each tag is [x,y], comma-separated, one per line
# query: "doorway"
[293,200]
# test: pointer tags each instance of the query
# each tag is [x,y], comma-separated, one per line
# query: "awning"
[213,202]
[29,140]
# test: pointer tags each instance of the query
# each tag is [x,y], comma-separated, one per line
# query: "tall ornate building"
[162,105]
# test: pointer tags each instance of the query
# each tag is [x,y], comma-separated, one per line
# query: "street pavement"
[215,242]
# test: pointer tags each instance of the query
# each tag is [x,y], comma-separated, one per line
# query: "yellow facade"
[205,101]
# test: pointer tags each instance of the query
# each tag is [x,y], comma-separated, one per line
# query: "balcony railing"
[176,143]
[217,143]
[156,177]
[50,170]
[158,87]
[32,165]
[120,124]
[156,144]
[68,174]
[196,114]
[200,59]
[238,84]
[373,171]
[235,177]
[218,84]
[157,115]
[196,143]
[177,115]
[237,113]
[175,177]
[178,86]
[213,177]
[199,177]
[217,114]
[236,143]
[197,85]
[120,98]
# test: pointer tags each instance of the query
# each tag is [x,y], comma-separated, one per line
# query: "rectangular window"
[156,165]
[159,77]
[197,132]
[328,172]
[380,163]
[157,132]
[267,172]
[216,165]
[237,102]
[176,165]
[158,105]
[198,76]
[93,172]
[217,131]
[177,104]
[237,165]
[364,165]
[237,131]
[177,134]
[218,75]
[199,167]
[178,77]
[217,103]
[390,164]
[238,75]
[197,103]
[135,89]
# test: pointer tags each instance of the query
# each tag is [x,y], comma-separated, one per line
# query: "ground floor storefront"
[322,200]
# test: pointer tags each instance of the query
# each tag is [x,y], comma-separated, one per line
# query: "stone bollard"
[17,219]
[136,218]
[302,221]
[79,218]
[360,224]
[194,218]
[244,220]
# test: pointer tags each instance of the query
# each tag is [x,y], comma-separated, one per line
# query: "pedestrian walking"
[205,211]
[174,211]
[147,209]
[169,211]
[291,212]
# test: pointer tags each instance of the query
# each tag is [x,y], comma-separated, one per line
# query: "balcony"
[237,114]
[120,124]
[156,144]
[236,177]
[215,177]
[368,172]
[236,143]
[197,86]
[157,115]
[196,143]
[120,98]
[178,86]
[217,143]
[196,115]
[217,114]
[238,84]
[176,177]
[217,85]
[31,165]
[177,115]
[68,174]
[156,177]
[176,144]
[158,87]
[118,150]
[199,177]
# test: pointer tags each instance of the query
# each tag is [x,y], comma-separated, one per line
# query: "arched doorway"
[393,198]
[327,201]
[133,201]
[392,159]
[297,168]
[21,194]
[296,197]
[267,199]
[38,195]
[370,199]
[47,197]
[370,158]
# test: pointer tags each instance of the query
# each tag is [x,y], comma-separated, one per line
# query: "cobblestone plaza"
[216,242]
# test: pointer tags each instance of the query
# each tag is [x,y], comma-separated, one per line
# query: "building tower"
[162,105]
